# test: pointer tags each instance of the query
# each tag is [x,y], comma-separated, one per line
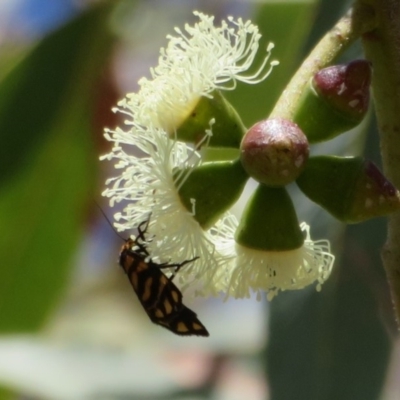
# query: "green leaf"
[48,162]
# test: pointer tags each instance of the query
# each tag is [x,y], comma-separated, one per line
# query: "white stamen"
[197,61]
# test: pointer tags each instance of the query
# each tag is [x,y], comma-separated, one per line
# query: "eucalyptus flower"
[149,187]
[228,261]
[165,180]
[261,271]
[198,61]
[268,251]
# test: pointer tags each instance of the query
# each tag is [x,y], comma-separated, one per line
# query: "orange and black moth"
[159,296]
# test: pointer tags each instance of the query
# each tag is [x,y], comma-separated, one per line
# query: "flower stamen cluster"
[194,64]
[148,185]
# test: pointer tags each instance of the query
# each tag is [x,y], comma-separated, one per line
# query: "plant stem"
[344,33]
[382,48]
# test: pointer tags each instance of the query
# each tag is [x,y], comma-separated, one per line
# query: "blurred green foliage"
[47,161]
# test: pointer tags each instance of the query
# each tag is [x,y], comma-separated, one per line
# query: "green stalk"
[339,38]
[382,48]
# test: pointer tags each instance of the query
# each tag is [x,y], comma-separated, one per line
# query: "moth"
[158,295]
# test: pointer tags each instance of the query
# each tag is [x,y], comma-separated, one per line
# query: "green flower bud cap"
[350,188]
[336,100]
[274,152]
[227,127]
[269,222]
[211,189]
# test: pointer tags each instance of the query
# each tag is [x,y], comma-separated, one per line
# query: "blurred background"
[70,326]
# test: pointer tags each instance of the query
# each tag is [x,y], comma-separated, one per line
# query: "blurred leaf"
[332,345]
[37,89]
[6,394]
[47,164]
[287,25]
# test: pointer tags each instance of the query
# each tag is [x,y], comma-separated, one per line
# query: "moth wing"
[186,323]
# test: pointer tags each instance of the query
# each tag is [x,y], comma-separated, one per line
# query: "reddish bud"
[374,194]
[274,151]
[346,87]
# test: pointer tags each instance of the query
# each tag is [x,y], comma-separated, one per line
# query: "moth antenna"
[109,222]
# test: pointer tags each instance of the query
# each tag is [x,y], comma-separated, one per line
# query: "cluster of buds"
[181,111]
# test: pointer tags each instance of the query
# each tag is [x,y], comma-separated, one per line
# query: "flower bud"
[350,188]
[335,101]
[274,152]
[227,127]
[211,189]
[269,222]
